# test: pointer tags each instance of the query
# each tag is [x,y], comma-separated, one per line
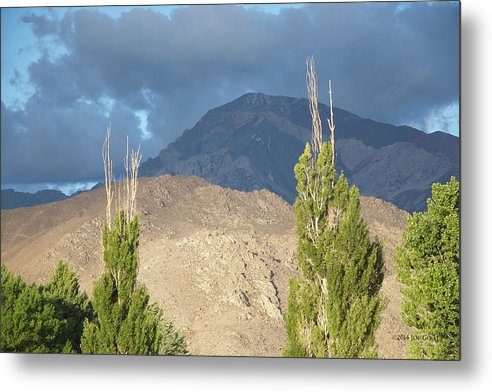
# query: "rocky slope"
[255,141]
[218,261]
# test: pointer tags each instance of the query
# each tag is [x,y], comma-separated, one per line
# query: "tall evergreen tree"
[334,307]
[428,266]
[125,321]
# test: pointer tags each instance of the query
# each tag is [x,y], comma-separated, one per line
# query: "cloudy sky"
[154,71]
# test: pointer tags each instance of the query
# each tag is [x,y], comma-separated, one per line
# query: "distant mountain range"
[10,198]
[254,142]
[13,199]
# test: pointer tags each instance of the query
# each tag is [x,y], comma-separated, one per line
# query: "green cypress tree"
[73,306]
[334,307]
[30,322]
[428,266]
[125,322]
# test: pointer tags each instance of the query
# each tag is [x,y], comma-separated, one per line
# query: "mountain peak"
[255,141]
[259,100]
[253,97]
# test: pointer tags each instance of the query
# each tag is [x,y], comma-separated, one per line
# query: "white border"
[88,374]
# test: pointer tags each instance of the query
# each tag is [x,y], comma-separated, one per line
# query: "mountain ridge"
[254,142]
[11,198]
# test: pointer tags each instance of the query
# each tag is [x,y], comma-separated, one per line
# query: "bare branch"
[127,183]
[132,162]
[128,201]
[312,88]
[331,125]
[108,174]
[136,157]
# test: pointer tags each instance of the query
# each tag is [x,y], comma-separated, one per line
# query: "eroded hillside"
[218,261]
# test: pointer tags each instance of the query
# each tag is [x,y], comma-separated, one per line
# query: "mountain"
[254,142]
[13,199]
[218,261]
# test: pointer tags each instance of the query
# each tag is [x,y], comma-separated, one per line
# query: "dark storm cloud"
[64,145]
[41,25]
[389,64]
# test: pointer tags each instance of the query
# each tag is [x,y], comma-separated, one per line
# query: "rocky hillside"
[254,142]
[217,260]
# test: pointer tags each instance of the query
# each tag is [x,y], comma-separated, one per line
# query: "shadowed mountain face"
[254,142]
[14,199]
